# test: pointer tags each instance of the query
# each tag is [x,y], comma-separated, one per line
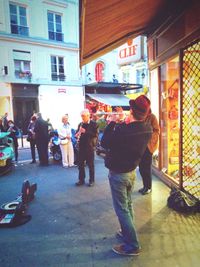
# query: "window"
[99,72]
[57,68]
[18,20]
[54,26]
[22,69]
[22,62]
[170,122]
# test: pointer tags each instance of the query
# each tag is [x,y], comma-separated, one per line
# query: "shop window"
[57,68]
[99,72]
[170,122]
[54,26]
[125,76]
[18,20]
[155,107]
[190,121]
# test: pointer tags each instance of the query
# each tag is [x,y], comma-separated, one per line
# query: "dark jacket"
[89,138]
[125,145]
[30,130]
[41,131]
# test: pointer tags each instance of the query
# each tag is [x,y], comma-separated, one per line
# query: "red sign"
[128,52]
[62,90]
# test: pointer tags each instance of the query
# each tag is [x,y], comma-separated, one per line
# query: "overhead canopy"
[113,100]
[114,88]
[107,24]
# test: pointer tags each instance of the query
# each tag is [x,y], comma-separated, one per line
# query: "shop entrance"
[25,103]
[23,110]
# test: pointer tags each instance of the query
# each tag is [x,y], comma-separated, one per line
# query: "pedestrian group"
[129,143]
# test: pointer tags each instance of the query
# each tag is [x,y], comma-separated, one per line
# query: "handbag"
[182,201]
[64,141]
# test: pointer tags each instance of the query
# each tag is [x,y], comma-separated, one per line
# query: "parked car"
[6,153]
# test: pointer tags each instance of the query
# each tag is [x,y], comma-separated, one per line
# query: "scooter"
[55,146]
[6,153]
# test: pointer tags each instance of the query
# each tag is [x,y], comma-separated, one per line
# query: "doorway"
[23,110]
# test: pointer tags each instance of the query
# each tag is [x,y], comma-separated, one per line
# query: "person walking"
[31,137]
[5,120]
[66,146]
[145,166]
[42,139]
[2,129]
[125,144]
[13,130]
[86,135]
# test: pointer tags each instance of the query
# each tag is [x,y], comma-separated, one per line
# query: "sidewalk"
[75,226]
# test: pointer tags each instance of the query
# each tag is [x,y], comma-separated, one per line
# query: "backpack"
[182,202]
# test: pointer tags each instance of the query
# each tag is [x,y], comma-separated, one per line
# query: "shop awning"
[105,25]
[113,100]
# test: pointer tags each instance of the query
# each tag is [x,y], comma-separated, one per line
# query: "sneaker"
[121,250]
[146,191]
[79,183]
[91,184]
[141,190]
[33,161]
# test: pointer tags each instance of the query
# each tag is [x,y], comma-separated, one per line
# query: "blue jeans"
[121,185]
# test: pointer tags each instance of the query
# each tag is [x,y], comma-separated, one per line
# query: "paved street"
[76,227]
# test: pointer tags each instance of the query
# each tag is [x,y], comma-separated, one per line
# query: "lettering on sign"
[62,90]
[128,52]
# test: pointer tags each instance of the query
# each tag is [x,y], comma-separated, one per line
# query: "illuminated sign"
[129,52]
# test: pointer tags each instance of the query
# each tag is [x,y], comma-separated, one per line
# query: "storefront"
[5,99]
[175,96]
[105,97]
[25,103]
[172,29]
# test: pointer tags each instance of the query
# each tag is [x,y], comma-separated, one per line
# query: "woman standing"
[65,143]
[31,137]
[13,130]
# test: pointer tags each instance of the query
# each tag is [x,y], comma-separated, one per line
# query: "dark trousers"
[32,144]
[145,168]
[16,152]
[89,159]
[42,148]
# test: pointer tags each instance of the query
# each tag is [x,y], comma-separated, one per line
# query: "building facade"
[175,95]
[39,60]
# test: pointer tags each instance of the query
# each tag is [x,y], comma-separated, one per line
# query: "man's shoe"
[146,191]
[141,190]
[121,250]
[91,184]
[79,183]
[33,161]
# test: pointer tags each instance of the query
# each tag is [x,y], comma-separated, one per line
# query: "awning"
[105,25]
[113,100]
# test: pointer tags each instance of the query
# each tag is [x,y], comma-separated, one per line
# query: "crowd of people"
[129,140]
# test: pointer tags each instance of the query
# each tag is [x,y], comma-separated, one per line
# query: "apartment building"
[39,60]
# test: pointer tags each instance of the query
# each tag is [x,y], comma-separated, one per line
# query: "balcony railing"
[60,77]
[21,30]
[58,36]
[23,75]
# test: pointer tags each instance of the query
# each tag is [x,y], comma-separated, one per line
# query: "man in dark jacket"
[86,139]
[42,139]
[125,144]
